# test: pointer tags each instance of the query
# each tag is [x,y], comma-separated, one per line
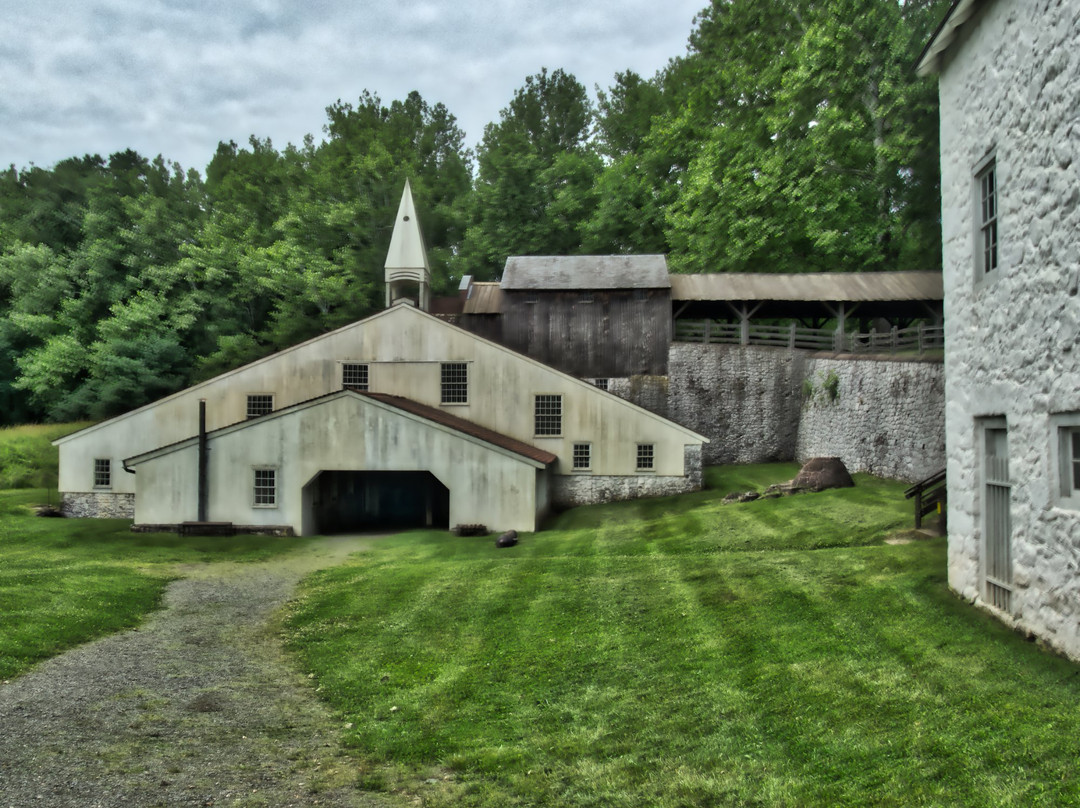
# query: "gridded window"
[640,295]
[259,404]
[582,456]
[1074,459]
[587,297]
[646,454]
[265,487]
[986,182]
[455,383]
[530,297]
[354,376]
[102,473]
[548,415]
[601,383]
[1069,455]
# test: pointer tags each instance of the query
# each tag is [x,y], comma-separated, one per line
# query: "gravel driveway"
[196,707]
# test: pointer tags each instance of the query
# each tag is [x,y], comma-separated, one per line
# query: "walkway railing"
[929,496]
[920,338]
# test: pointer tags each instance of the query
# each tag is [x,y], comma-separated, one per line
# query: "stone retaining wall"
[98,504]
[880,415]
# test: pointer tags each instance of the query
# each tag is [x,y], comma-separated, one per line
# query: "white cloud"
[176,77]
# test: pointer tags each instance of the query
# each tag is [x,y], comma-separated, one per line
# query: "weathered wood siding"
[620,333]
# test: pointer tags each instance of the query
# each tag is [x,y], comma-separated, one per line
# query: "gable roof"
[555,272]
[407,406]
[484,298]
[811,286]
[396,311]
[947,32]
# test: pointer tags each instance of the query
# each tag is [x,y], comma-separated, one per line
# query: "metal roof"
[553,272]
[484,298]
[945,35]
[810,286]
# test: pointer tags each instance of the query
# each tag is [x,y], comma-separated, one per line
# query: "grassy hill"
[27,458]
[678,652]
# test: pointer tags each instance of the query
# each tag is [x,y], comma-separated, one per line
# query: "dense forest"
[791,136]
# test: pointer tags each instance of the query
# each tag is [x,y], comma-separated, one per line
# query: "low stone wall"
[571,490]
[756,405]
[98,505]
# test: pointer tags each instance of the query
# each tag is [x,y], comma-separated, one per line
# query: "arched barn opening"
[343,501]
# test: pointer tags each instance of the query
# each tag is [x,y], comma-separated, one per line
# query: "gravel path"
[196,707]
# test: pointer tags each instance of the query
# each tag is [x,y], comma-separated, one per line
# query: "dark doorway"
[342,501]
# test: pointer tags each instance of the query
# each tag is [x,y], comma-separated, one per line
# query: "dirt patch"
[198,707]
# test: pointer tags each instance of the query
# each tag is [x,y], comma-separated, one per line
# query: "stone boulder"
[507,539]
[820,473]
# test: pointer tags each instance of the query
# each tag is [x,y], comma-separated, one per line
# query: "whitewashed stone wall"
[569,491]
[99,505]
[887,417]
[883,417]
[1011,88]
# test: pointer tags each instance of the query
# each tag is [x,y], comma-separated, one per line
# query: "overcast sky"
[98,76]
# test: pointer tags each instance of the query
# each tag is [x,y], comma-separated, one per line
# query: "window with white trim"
[102,472]
[548,415]
[646,455]
[1067,428]
[354,376]
[582,456]
[259,404]
[265,488]
[986,217]
[455,383]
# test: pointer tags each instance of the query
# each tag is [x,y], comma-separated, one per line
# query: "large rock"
[819,473]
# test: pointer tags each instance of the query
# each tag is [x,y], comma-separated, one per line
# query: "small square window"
[259,404]
[530,297]
[587,297]
[265,494]
[548,415]
[582,456]
[645,456]
[455,383]
[1068,449]
[640,295]
[601,383]
[986,217]
[354,376]
[102,473]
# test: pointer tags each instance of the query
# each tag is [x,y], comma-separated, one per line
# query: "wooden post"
[203,486]
[791,336]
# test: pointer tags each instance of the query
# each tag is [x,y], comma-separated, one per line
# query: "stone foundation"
[97,505]
[280,531]
[569,491]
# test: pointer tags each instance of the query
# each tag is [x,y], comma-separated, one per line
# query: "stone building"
[1009,83]
[401,418]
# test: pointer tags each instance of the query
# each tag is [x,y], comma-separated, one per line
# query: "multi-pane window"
[102,473]
[455,383]
[259,404]
[265,487]
[1069,452]
[587,297]
[601,383]
[646,454]
[548,415]
[640,295]
[1074,459]
[986,188]
[354,376]
[582,456]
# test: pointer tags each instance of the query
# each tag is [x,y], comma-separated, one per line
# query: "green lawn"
[677,652]
[65,581]
[27,458]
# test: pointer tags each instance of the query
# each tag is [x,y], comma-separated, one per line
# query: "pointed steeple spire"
[406,260]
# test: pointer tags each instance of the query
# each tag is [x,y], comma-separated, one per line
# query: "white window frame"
[102,468]
[575,456]
[986,218]
[256,488]
[548,401]
[250,400]
[453,391]
[348,368]
[645,452]
[1066,461]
